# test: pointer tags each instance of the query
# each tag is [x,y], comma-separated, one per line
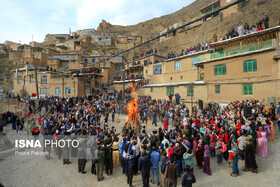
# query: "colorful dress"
[262,144]
[206,166]
[234,171]
[272,133]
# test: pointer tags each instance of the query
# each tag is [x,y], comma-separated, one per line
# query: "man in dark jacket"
[188,178]
[165,161]
[171,173]
[130,161]
[144,166]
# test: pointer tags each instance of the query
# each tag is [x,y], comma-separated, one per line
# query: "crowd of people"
[182,137]
[241,30]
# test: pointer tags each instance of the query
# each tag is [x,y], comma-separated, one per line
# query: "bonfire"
[132,112]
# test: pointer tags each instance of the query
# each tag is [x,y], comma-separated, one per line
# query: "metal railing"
[240,50]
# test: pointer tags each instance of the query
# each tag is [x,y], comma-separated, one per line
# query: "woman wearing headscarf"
[250,158]
[262,143]
[199,154]
[233,157]
[206,166]
[272,133]
[188,158]
[266,128]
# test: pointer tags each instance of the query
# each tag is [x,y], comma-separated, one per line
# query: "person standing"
[144,166]
[188,178]
[240,28]
[199,154]
[218,151]
[93,147]
[262,143]
[266,22]
[116,152]
[206,165]
[130,157]
[171,173]
[154,118]
[108,157]
[100,163]
[155,157]
[165,123]
[66,152]
[81,154]
[242,140]
[272,133]
[165,161]
[250,157]
[233,156]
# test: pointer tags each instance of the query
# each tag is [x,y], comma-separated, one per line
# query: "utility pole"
[124,75]
[192,96]
[36,82]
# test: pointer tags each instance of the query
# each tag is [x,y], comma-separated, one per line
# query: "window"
[44,79]
[64,57]
[31,79]
[69,45]
[171,78]
[68,90]
[220,69]
[157,69]
[45,91]
[88,43]
[146,71]
[151,89]
[170,90]
[249,66]
[217,89]
[86,60]
[57,91]
[93,60]
[122,39]
[181,77]
[228,1]
[66,64]
[178,65]
[247,89]
[190,91]
[73,57]
[60,64]
[117,58]
[195,60]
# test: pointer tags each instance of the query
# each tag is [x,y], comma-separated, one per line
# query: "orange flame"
[119,121]
[148,122]
[132,109]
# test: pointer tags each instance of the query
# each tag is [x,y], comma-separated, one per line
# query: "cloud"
[22,19]
[124,12]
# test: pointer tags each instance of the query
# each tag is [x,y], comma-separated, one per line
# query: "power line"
[180,27]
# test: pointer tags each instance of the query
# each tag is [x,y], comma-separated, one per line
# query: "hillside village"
[201,61]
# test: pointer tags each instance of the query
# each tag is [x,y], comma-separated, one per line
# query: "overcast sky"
[20,19]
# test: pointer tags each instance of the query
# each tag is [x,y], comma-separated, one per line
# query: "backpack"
[224,147]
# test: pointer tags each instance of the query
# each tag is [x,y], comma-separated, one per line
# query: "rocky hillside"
[250,11]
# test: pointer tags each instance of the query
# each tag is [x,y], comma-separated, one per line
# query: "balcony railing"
[238,50]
